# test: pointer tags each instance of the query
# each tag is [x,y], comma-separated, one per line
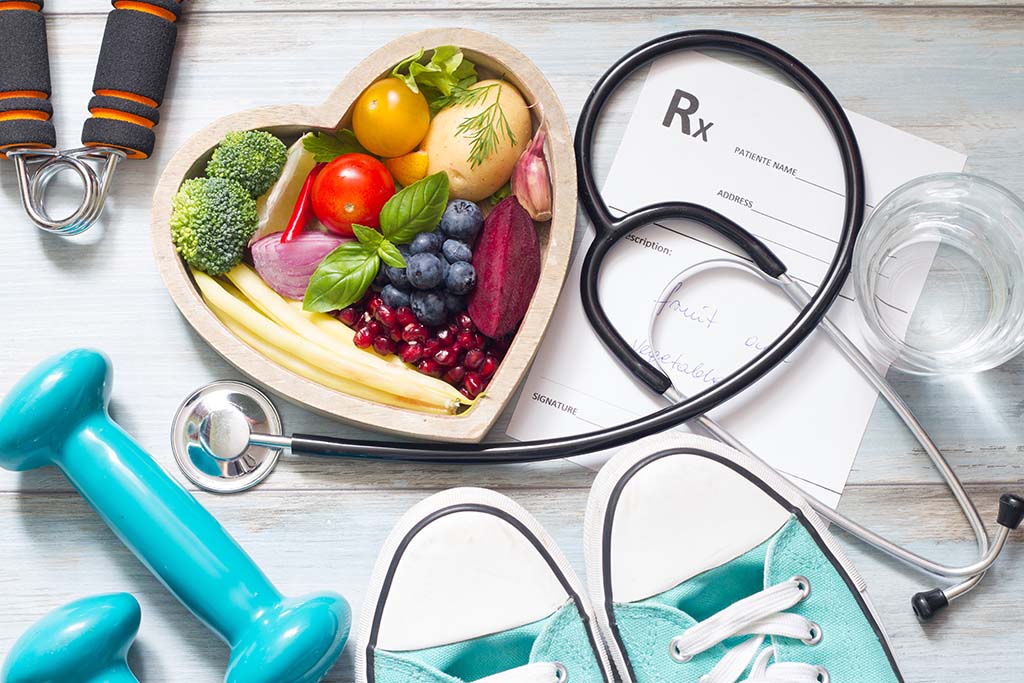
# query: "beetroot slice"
[507,263]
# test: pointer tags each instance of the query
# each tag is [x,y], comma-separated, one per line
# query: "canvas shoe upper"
[706,566]
[469,587]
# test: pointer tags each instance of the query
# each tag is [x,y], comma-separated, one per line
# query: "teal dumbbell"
[86,641]
[57,415]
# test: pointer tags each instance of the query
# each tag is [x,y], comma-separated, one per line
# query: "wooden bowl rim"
[472,425]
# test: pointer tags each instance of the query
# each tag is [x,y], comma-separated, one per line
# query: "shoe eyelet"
[804,584]
[815,636]
[561,673]
[677,653]
[822,675]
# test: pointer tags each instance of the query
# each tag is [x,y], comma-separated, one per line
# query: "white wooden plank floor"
[951,73]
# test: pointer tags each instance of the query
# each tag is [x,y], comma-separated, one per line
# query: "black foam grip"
[24,58]
[137,140]
[172,6]
[26,133]
[126,106]
[136,54]
[11,104]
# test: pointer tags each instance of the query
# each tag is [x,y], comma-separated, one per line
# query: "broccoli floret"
[212,220]
[253,158]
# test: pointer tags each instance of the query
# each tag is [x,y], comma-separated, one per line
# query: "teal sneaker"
[469,587]
[706,566]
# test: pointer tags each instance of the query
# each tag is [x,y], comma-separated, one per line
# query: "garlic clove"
[531,181]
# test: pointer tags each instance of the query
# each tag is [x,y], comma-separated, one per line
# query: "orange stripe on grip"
[30,6]
[147,8]
[101,113]
[10,94]
[132,153]
[19,114]
[128,96]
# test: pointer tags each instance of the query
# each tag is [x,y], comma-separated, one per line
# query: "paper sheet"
[751,148]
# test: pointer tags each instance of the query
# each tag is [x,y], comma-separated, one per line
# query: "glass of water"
[963,236]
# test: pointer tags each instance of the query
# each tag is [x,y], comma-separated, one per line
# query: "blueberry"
[428,306]
[454,303]
[426,243]
[394,297]
[399,278]
[462,220]
[456,250]
[380,279]
[424,271]
[461,278]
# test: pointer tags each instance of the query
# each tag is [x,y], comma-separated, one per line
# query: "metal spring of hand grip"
[36,168]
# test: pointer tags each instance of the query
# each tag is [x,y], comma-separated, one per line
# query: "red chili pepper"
[303,211]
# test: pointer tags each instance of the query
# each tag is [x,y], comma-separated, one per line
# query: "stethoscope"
[228,436]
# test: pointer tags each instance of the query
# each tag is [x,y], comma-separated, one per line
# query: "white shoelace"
[760,615]
[543,672]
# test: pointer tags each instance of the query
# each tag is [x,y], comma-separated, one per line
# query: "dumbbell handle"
[173,535]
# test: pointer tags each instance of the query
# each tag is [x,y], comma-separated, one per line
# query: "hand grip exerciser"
[57,415]
[131,76]
[86,641]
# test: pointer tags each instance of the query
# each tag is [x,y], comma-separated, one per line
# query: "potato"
[449,151]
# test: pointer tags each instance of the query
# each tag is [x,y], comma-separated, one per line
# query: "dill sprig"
[486,129]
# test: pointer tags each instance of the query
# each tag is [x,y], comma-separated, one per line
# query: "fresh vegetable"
[326,147]
[302,214]
[478,139]
[504,191]
[409,168]
[389,119]
[507,261]
[447,71]
[344,276]
[276,206]
[212,220]
[352,189]
[300,343]
[253,158]
[288,266]
[531,182]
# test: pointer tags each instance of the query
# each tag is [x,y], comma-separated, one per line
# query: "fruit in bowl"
[381,270]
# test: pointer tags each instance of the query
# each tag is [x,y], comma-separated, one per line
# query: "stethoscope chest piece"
[210,437]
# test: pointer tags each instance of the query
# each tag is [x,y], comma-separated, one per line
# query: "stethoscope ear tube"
[609,229]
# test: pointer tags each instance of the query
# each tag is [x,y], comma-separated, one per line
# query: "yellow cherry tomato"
[390,119]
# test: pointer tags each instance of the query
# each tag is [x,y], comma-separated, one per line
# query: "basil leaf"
[367,236]
[390,255]
[342,278]
[326,147]
[415,209]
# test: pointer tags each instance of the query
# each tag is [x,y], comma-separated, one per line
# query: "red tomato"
[351,189]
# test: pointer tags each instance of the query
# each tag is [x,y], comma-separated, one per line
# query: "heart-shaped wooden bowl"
[494,58]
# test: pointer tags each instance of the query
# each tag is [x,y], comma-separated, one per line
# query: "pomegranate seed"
[349,316]
[489,366]
[482,342]
[396,335]
[431,346]
[383,345]
[455,375]
[386,315]
[472,385]
[466,340]
[373,326]
[465,322]
[474,359]
[411,353]
[363,338]
[445,336]
[405,316]
[453,329]
[446,357]
[430,367]
[457,348]
[414,332]
[373,304]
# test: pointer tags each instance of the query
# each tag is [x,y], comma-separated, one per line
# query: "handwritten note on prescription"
[753,149]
